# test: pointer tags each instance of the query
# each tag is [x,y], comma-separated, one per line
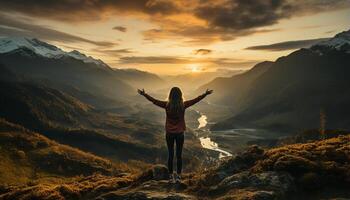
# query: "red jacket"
[175,123]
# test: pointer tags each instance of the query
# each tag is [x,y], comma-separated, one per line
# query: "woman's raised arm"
[197,99]
[157,102]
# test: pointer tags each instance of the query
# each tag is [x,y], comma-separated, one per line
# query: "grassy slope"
[315,170]
[27,156]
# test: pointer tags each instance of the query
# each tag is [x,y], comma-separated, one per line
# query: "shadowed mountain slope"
[292,91]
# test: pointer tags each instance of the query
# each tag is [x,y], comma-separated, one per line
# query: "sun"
[194,68]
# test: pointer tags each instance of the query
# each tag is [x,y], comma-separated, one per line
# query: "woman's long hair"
[175,101]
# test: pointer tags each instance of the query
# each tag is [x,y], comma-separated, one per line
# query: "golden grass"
[27,156]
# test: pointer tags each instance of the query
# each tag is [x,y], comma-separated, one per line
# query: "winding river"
[206,142]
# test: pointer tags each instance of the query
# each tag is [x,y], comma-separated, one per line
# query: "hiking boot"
[171,178]
[178,178]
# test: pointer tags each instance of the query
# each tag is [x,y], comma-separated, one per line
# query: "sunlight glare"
[194,68]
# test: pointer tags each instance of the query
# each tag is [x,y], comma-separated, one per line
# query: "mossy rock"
[295,165]
[309,181]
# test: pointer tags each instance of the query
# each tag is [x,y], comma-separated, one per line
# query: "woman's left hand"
[208,92]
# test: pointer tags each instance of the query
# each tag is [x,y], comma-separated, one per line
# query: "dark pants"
[171,138]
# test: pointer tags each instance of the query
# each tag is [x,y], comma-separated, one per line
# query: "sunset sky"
[175,37]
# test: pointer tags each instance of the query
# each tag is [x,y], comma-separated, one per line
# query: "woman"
[175,125]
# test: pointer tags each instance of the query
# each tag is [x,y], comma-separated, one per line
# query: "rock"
[295,164]
[157,172]
[263,195]
[129,196]
[143,195]
[233,165]
[68,192]
[310,180]
[160,172]
[250,195]
[20,154]
[279,182]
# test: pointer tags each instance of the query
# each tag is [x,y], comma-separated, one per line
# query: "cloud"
[120,28]
[114,52]
[225,20]
[87,10]
[153,60]
[287,45]
[12,27]
[202,51]
[118,51]
[233,63]
[194,22]
[251,14]
[197,35]
[330,31]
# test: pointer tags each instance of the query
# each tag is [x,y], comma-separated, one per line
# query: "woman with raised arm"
[175,125]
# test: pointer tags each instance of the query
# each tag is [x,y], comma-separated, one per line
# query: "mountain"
[65,119]
[340,42]
[292,91]
[139,79]
[70,71]
[7,75]
[191,81]
[38,107]
[230,90]
[43,49]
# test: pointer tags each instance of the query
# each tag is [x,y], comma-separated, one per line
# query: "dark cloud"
[12,27]
[311,27]
[77,10]
[118,51]
[198,35]
[244,14]
[233,63]
[153,60]
[120,28]
[114,52]
[330,31]
[229,70]
[282,46]
[202,51]
[251,14]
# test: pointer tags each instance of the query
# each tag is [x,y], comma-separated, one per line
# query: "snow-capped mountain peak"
[338,42]
[43,49]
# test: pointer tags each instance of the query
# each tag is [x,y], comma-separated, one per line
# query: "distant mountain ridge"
[236,84]
[196,79]
[91,80]
[139,79]
[292,91]
[44,49]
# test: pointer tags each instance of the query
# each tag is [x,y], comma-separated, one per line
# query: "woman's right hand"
[141,92]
